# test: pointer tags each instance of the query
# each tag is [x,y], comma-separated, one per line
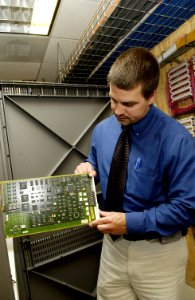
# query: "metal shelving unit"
[54,126]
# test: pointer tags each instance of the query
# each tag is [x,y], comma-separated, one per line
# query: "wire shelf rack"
[118,25]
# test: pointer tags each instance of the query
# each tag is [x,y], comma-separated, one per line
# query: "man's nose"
[119,109]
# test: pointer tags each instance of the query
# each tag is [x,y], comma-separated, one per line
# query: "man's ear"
[152,99]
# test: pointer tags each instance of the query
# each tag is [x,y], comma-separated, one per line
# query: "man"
[148,258]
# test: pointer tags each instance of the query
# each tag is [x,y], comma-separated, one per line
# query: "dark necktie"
[118,173]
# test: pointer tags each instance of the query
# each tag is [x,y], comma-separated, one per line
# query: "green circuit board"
[44,204]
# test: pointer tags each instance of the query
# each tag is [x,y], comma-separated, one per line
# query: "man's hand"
[85,168]
[111,222]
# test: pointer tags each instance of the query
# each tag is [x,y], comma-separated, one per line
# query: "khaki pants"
[144,270]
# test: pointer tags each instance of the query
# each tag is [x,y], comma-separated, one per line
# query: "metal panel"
[77,271]
[31,144]
[51,126]
[6,284]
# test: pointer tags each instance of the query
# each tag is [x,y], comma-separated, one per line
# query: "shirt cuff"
[135,222]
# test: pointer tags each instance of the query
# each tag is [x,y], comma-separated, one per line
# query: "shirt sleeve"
[92,157]
[178,211]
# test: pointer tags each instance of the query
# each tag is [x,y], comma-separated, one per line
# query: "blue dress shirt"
[160,190]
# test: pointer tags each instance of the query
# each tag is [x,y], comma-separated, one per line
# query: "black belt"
[152,236]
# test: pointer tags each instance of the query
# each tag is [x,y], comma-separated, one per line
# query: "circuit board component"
[43,204]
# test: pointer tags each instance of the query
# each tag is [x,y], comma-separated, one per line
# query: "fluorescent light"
[167,53]
[42,16]
[27,16]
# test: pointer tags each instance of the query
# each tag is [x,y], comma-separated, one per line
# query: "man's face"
[129,106]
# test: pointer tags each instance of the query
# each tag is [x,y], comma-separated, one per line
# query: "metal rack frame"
[34,107]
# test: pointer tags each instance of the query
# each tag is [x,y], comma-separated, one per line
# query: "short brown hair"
[134,67]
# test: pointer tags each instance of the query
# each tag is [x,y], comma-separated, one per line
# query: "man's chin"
[124,122]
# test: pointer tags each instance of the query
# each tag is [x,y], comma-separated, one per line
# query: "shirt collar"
[139,126]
